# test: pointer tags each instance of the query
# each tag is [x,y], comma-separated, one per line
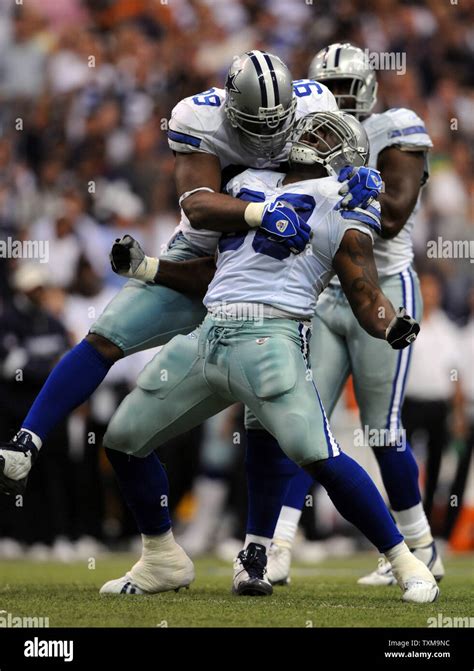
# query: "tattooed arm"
[355,266]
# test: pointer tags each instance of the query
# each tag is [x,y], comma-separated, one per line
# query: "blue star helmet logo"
[230,83]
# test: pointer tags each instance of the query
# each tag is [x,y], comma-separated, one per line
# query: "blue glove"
[363,185]
[281,223]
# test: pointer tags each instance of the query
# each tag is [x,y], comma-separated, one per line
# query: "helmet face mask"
[349,93]
[267,133]
[260,102]
[340,63]
[332,139]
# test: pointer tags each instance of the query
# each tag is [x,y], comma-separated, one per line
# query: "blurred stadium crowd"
[86,87]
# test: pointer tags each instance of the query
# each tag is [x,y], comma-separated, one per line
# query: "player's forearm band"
[147,270]
[190,193]
[253,214]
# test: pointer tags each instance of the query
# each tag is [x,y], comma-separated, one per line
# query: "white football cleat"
[414,578]
[384,574]
[279,562]
[250,572]
[123,585]
[163,566]
[430,557]
[417,590]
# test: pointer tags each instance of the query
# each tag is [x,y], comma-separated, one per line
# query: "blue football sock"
[400,476]
[69,384]
[268,474]
[358,500]
[298,489]
[144,485]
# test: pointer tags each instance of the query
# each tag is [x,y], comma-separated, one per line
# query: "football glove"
[281,223]
[361,186]
[128,259]
[402,330]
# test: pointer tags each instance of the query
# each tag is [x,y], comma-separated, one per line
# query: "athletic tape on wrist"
[253,214]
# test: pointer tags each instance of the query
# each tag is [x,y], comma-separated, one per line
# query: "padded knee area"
[298,441]
[106,348]
[121,433]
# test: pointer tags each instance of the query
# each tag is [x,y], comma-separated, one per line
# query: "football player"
[399,144]
[247,124]
[253,347]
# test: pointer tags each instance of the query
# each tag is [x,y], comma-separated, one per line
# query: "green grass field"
[325,595]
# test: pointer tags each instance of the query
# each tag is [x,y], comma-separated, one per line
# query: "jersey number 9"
[207,98]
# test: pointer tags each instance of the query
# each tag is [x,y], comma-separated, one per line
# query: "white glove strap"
[253,214]
[147,270]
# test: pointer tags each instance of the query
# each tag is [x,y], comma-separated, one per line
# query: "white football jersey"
[199,124]
[402,128]
[253,269]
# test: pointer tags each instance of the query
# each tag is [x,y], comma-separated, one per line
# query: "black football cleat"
[250,572]
[17,455]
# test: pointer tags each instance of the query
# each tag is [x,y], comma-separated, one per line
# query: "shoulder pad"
[195,120]
[399,126]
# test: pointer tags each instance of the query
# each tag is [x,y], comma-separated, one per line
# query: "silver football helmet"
[260,102]
[345,61]
[333,139]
